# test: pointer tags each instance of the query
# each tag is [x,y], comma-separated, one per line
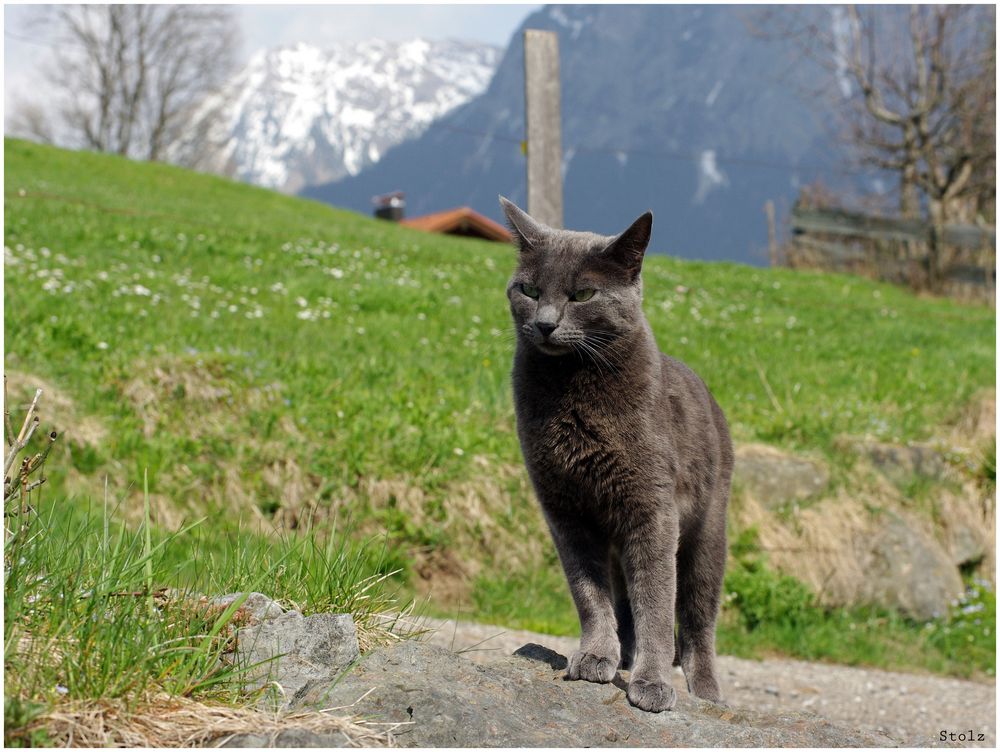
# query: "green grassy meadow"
[280,365]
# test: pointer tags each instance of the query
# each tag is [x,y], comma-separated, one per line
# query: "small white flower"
[459,451]
[102,345]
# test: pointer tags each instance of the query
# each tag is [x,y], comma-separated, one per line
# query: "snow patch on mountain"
[709,176]
[714,93]
[299,115]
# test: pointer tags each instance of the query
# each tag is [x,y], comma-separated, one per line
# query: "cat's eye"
[530,290]
[581,296]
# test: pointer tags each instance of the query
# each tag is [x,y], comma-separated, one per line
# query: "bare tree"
[915,91]
[130,75]
[925,108]
[29,120]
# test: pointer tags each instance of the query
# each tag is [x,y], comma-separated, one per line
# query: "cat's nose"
[545,327]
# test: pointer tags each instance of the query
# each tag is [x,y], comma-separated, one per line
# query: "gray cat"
[630,457]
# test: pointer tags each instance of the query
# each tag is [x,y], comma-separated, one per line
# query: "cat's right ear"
[526,231]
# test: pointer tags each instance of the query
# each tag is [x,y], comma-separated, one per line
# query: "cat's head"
[575,291]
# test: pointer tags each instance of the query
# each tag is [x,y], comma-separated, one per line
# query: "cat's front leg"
[583,551]
[648,561]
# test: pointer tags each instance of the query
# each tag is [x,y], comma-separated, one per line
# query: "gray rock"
[774,477]
[446,700]
[293,650]
[909,570]
[257,605]
[298,738]
[903,462]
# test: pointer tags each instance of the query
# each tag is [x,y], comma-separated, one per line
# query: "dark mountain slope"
[674,108]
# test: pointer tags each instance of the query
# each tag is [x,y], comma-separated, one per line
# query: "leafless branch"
[127,76]
[20,485]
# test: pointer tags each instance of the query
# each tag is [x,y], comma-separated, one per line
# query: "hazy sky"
[269,25]
[26,46]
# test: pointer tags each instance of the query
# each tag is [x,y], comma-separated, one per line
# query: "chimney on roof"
[390,206]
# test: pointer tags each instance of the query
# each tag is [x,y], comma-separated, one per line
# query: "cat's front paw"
[651,696]
[591,667]
[705,686]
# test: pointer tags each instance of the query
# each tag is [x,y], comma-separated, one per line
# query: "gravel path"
[912,708]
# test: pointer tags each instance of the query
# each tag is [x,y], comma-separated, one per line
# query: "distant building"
[461,221]
[390,205]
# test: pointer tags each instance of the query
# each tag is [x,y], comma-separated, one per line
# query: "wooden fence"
[894,250]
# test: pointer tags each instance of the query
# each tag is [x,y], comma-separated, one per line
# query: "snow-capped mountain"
[298,116]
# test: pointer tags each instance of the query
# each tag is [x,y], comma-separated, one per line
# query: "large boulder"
[909,570]
[441,699]
[774,477]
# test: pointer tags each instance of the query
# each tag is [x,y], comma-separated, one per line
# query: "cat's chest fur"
[584,433]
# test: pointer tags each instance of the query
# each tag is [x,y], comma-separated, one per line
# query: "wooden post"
[543,126]
[772,235]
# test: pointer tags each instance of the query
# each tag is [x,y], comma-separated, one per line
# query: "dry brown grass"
[165,721]
[473,509]
[202,387]
[198,397]
[483,520]
[817,545]
[60,410]
[977,423]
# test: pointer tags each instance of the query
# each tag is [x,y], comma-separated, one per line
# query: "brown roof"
[460,221]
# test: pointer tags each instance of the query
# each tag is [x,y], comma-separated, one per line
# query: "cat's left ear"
[628,249]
